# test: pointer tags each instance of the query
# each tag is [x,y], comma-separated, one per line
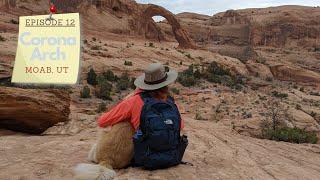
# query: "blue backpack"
[157,143]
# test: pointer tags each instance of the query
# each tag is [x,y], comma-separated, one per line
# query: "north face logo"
[168,121]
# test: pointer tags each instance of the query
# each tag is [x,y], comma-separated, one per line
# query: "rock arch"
[180,34]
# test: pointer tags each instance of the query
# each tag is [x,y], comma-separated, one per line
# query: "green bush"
[96,47]
[175,90]
[167,68]
[92,77]
[216,69]
[13,21]
[102,107]
[315,93]
[110,76]
[127,63]
[104,90]
[279,95]
[2,38]
[189,56]
[292,135]
[132,86]
[124,82]
[313,114]
[217,74]
[85,92]
[187,78]
[269,79]
[213,73]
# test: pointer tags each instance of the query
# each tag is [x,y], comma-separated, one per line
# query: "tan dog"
[114,150]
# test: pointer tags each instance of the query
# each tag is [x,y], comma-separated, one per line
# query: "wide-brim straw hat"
[155,77]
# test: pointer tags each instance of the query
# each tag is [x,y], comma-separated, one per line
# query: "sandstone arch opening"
[180,34]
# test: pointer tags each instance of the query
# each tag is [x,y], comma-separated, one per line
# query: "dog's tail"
[93,172]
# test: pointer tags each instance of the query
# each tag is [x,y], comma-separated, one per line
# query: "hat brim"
[172,76]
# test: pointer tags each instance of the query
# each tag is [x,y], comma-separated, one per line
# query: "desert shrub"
[167,69]
[127,63]
[198,116]
[292,135]
[104,89]
[187,78]
[110,76]
[96,47]
[269,79]
[85,92]
[301,89]
[13,21]
[132,86]
[218,74]
[274,128]
[261,60]
[298,107]
[180,51]
[151,44]
[213,73]
[92,77]
[246,115]
[315,93]
[279,95]
[313,114]
[102,107]
[124,82]
[94,39]
[200,58]
[189,56]
[2,38]
[175,90]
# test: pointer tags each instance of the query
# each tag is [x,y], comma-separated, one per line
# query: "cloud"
[211,7]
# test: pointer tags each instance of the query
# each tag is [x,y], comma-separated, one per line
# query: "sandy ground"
[216,152]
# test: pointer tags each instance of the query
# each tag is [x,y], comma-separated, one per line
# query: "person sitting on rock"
[145,129]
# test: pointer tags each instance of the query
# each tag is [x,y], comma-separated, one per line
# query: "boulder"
[32,110]
[288,73]
[257,69]
[302,120]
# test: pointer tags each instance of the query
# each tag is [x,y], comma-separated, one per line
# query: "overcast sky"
[211,7]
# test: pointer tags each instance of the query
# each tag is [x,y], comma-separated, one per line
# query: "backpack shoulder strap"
[145,96]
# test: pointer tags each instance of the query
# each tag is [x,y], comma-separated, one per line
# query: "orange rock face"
[32,110]
[288,73]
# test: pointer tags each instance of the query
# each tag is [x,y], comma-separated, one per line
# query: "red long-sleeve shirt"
[127,110]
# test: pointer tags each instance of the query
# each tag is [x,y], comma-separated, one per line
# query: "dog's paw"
[107,174]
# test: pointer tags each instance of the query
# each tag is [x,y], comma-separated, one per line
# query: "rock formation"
[136,19]
[32,110]
[180,34]
[287,73]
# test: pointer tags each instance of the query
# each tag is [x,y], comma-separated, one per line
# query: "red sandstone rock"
[32,110]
